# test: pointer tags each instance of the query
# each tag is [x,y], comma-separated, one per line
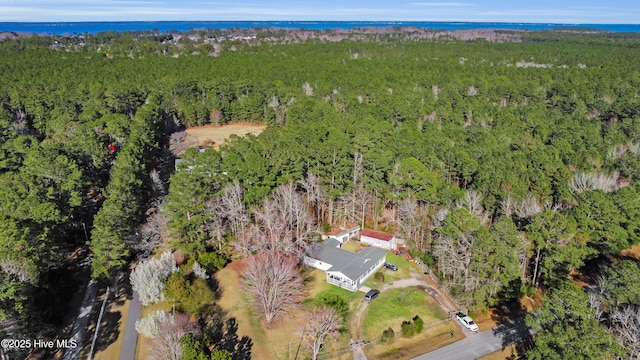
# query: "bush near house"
[388,336]
[418,323]
[408,329]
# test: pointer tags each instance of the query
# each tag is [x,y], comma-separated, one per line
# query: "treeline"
[131,186]
[507,166]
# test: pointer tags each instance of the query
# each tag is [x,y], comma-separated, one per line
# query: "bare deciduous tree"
[154,232]
[233,209]
[436,91]
[316,196]
[321,325]
[273,281]
[598,307]
[284,221]
[280,109]
[454,260]
[216,224]
[179,142]
[625,323]
[508,205]
[523,256]
[414,223]
[166,343]
[439,217]
[472,202]
[528,207]
[157,185]
[199,271]
[18,269]
[307,89]
[583,181]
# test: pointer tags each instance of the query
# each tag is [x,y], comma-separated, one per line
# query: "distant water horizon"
[78,28]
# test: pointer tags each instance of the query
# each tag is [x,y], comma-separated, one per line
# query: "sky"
[530,11]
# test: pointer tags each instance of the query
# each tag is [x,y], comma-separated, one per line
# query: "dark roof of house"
[376,234]
[332,242]
[352,265]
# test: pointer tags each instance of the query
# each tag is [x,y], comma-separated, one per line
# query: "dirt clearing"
[214,136]
[633,252]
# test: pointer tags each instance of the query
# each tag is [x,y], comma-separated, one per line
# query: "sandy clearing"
[214,136]
[633,252]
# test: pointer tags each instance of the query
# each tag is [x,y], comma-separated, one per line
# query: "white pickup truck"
[466,321]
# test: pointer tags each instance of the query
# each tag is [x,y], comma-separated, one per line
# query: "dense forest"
[508,167]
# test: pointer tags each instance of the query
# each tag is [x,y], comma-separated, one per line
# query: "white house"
[379,239]
[343,268]
[343,233]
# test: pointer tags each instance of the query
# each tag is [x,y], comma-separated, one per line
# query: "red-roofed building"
[379,239]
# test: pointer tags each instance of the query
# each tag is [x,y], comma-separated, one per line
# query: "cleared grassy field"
[405,348]
[281,339]
[393,307]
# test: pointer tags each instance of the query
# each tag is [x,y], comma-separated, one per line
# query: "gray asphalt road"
[128,349]
[80,326]
[480,344]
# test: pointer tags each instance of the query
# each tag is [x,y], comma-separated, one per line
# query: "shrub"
[388,336]
[427,258]
[379,277]
[193,297]
[418,324]
[408,329]
[334,301]
[213,261]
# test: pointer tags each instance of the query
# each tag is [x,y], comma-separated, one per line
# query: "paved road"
[130,341]
[480,344]
[80,326]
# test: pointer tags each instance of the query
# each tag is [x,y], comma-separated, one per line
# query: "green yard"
[404,271]
[392,307]
[353,246]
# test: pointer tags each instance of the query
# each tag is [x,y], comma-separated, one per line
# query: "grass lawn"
[317,285]
[405,348]
[508,352]
[281,339]
[352,246]
[393,307]
[404,270]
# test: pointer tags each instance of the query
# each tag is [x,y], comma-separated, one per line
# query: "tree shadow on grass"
[222,334]
[109,328]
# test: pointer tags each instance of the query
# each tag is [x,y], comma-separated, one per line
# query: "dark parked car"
[372,294]
[391,266]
